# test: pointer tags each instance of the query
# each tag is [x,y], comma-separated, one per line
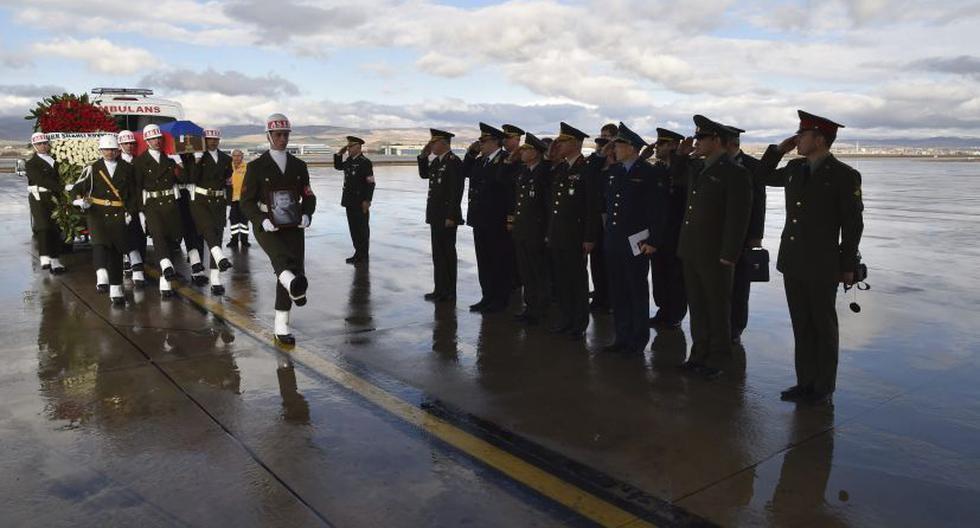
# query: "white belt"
[157,194]
[209,192]
[186,186]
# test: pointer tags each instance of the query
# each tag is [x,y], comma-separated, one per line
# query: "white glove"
[304,222]
[267,225]
[80,202]
[198,155]
[69,187]
[129,218]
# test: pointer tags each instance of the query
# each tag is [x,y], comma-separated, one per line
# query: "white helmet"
[39,137]
[151,131]
[212,133]
[126,137]
[277,122]
[108,141]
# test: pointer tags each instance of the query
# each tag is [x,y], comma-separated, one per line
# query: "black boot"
[233,243]
[244,240]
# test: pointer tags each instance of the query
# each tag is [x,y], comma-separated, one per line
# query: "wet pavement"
[393,411]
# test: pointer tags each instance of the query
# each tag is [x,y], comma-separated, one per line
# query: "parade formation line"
[607,512]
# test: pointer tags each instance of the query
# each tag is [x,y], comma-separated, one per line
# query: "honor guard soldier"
[134,258]
[278,200]
[43,186]
[156,179]
[634,225]
[528,223]
[193,242]
[211,174]
[110,199]
[667,279]
[818,249]
[444,170]
[598,163]
[357,195]
[742,282]
[571,232]
[488,201]
[238,222]
[719,203]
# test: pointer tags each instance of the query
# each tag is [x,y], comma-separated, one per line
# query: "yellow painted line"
[569,495]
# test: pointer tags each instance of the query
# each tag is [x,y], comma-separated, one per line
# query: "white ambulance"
[134,108]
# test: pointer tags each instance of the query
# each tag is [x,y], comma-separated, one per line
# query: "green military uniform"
[210,201]
[529,223]
[114,203]
[45,188]
[719,203]
[285,246]
[358,188]
[446,183]
[155,180]
[574,220]
[824,222]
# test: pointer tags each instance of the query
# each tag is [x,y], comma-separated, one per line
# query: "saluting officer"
[211,174]
[278,200]
[488,201]
[634,226]
[719,202]
[818,249]
[528,223]
[110,199]
[571,231]
[156,180]
[43,186]
[742,282]
[667,277]
[357,195]
[444,170]
[134,258]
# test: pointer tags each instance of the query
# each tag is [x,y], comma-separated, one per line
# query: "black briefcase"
[757,259]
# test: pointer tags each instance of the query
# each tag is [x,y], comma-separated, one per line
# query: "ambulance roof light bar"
[122,91]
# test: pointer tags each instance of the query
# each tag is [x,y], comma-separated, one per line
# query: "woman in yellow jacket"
[237,222]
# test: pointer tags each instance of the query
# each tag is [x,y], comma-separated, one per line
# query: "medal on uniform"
[571,192]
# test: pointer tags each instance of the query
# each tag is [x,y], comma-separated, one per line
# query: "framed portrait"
[284,208]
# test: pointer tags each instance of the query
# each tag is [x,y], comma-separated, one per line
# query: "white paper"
[635,240]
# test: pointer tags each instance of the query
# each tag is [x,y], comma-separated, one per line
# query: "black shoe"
[167,294]
[59,271]
[197,268]
[794,393]
[709,373]
[118,301]
[127,267]
[233,243]
[285,339]
[598,307]
[655,322]
[478,307]
[169,273]
[102,288]
[138,267]
[244,241]
[217,289]
[301,301]
[559,329]
[224,264]
[297,288]
[45,267]
[200,280]
[432,296]
[350,260]
[614,348]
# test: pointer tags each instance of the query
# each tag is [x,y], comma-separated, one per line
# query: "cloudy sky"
[885,68]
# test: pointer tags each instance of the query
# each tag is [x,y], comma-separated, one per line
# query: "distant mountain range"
[13,129]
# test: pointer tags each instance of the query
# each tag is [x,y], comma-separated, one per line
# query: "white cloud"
[99,54]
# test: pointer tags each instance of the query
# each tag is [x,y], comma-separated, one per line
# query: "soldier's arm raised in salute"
[338,159]
[767,173]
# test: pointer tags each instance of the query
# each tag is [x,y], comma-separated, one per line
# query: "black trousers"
[533,267]
[286,249]
[112,260]
[741,285]
[572,288]
[709,293]
[813,310]
[494,263]
[192,240]
[360,230]
[136,236]
[443,259]
[237,223]
[667,283]
[46,230]
[629,293]
[597,266]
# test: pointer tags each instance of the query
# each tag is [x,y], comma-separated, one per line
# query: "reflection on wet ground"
[181,413]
